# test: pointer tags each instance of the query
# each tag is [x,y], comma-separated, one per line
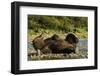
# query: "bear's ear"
[55,37]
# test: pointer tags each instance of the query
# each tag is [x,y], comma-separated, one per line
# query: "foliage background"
[57,24]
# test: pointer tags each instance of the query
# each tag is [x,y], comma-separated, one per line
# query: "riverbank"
[49,33]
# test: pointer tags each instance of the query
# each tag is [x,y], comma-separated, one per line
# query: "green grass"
[80,33]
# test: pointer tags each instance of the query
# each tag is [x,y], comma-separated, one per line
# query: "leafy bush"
[65,24]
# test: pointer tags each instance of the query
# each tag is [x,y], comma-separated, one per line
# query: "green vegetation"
[61,25]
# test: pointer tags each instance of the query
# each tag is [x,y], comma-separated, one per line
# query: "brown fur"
[55,44]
